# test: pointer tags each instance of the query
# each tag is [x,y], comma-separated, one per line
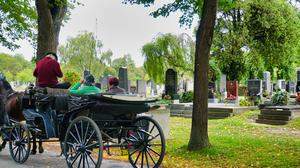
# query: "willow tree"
[169,51]
[206,10]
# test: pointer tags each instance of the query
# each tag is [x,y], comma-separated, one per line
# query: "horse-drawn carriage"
[86,126]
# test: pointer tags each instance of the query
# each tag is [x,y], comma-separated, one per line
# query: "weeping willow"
[168,51]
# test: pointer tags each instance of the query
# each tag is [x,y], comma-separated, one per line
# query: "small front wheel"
[83,144]
[19,143]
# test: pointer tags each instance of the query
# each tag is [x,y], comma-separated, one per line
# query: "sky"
[122,28]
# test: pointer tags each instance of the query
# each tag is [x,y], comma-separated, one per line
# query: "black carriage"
[86,126]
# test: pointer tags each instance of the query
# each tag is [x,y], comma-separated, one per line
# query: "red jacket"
[47,71]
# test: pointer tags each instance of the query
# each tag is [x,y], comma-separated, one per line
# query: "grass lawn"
[236,142]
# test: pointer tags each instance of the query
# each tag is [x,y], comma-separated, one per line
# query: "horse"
[11,107]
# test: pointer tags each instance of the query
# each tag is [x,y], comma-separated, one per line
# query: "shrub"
[280,98]
[187,97]
[244,102]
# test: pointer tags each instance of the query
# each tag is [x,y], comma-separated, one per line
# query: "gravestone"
[232,89]
[189,85]
[141,87]
[123,78]
[255,87]
[281,84]
[104,83]
[153,88]
[298,75]
[290,87]
[267,82]
[171,83]
[223,83]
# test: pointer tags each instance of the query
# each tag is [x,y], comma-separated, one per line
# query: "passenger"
[47,71]
[114,86]
[85,87]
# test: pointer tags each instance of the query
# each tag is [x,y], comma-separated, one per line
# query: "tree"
[17,21]
[274,28]
[205,9]
[50,16]
[169,51]
[80,54]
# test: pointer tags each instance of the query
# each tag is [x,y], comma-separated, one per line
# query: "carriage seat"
[54,91]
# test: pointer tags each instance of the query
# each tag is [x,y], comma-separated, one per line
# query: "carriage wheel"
[19,144]
[83,144]
[1,140]
[146,143]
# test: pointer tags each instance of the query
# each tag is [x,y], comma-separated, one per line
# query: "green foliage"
[280,98]
[187,97]
[244,102]
[17,22]
[13,65]
[274,28]
[80,54]
[71,77]
[26,76]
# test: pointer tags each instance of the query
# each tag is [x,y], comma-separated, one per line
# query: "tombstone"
[223,84]
[291,87]
[171,83]
[255,88]
[298,75]
[123,78]
[281,84]
[189,85]
[232,89]
[141,87]
[267,82]
[153,88]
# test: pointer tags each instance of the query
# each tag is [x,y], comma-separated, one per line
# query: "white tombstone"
[267,79]
[223,83]
[189,85]
[281,84]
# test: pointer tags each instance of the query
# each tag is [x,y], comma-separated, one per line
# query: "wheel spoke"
[152,129]
[15,154]
[86,131]
[77,132]
[153,137]
[150,156]
[142,163]
[133,152]
[79,161]
[137,158]
[76,157]
[92,146]
[74,137]
[92,159]
[146,159]
[83,160]
[153,151]
[89,138]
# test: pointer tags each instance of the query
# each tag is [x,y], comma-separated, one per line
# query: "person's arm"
[57,70]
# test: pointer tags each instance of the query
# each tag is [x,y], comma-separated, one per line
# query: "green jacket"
[79,89]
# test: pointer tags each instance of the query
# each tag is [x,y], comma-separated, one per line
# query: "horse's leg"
[41,149]
[33,151]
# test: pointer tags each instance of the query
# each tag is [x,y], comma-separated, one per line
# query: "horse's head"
[4,85]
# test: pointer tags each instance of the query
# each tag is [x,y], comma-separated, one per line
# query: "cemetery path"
[50,160]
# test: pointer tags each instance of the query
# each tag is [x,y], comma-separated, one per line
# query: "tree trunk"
[199,133]
[50,19]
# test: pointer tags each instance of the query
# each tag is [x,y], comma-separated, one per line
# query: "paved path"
[49,160]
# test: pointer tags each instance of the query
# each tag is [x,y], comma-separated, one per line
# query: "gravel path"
[49,160]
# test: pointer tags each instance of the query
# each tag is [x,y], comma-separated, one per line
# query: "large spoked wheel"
[146,143]
[1,140]
[83,144]
[19,144]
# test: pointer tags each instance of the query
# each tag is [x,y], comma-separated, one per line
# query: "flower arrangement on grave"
[187,97]
[280,98]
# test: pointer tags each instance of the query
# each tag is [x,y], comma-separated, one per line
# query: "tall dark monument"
[171,83]
[123,79]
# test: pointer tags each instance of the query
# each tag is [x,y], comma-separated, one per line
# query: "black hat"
[89,80]
[51,53]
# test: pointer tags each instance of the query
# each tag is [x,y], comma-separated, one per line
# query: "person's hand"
[82,81]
